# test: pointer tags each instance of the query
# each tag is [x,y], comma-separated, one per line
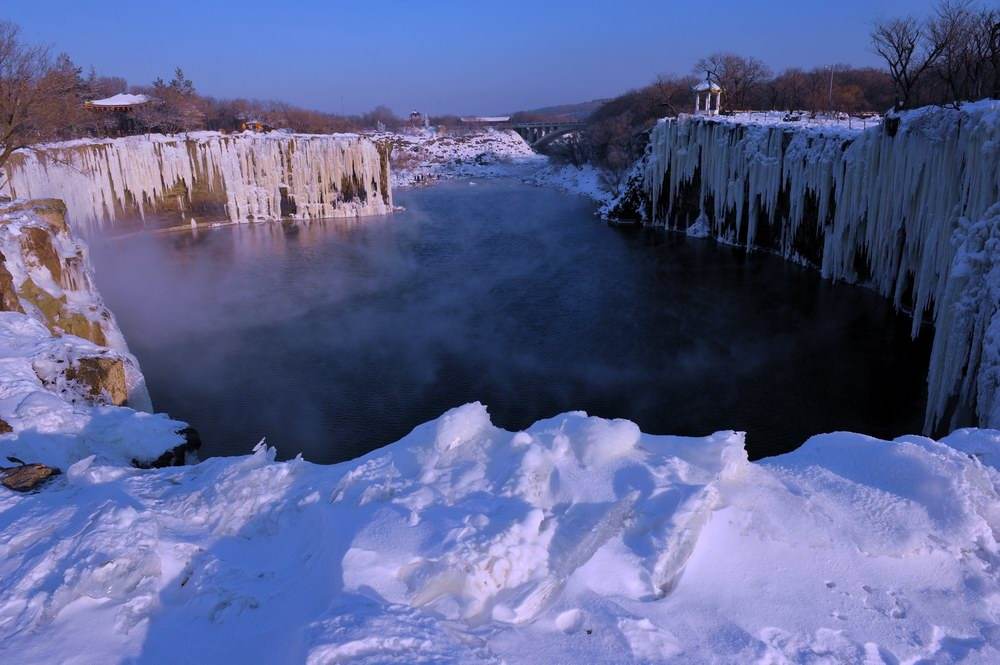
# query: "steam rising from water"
[333,338]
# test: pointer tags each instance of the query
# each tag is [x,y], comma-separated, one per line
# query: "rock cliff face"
[910,210]
[64,365]
[206,177]
[45,275]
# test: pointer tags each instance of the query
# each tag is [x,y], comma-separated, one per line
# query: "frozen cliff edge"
[206,177]
[577,540]
[909,207]
[66,375]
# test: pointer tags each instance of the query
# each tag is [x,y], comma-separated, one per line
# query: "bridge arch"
[540,134]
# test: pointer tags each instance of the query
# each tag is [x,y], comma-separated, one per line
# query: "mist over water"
[334,338]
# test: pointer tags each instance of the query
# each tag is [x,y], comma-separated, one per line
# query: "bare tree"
[738,76]
[952,31]
[30,92]
[907,52]
[990,26]
[984,49]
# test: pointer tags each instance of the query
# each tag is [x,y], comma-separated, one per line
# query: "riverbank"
[423,156]
[70,387]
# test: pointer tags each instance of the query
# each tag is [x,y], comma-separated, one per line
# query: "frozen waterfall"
[206,176]
[912,212]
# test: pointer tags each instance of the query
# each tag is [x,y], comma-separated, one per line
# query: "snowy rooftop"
[121,99]
[705,85]
[486,118]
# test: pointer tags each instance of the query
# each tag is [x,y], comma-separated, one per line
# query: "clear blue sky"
[462,57]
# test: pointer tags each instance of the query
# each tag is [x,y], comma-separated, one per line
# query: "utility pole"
[831,89]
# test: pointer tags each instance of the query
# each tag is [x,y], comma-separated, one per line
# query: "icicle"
[914,209]
[103,181]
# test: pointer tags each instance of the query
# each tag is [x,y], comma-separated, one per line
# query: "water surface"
[333,338]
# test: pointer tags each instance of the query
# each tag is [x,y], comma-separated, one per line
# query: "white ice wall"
[919,206]
[102,180]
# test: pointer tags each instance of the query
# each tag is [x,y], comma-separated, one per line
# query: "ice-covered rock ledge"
[578,540]
[206,177]
[911,208]
[69,387]
[424,156]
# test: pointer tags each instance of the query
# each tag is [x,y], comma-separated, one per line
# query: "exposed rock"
[9,302]
[52,211]
[104,377]
[58,318]
[37,248]
[26,477]
[49,305]
[176,456]
[5,427]
[74,323]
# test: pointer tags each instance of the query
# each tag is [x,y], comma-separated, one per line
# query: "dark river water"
[333,338]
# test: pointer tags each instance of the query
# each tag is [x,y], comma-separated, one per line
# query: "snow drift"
[909,208]
[206,177]
[577,540]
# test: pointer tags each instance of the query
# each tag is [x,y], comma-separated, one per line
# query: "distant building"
[120,103]
[484,120]
[418,119]
[121,108]
[255,125]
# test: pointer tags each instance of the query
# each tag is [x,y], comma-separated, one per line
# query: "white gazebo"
[706,90]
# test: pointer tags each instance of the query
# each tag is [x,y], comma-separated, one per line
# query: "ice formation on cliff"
[909,213]
[247,174]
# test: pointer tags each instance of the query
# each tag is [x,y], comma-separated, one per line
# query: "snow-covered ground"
[423,156]
[840,123]
[586,180]
[579,540]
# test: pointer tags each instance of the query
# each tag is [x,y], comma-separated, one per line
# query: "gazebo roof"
[707,85]
[121,99]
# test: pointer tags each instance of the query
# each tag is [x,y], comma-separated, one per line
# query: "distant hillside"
[579,111]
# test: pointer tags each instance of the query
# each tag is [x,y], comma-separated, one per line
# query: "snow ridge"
[578,539]
[239,177]
[909,212]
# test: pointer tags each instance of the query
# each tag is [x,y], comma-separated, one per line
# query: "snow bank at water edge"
[65,370]
[207,177]
[905,210]
[577,540]
[424,156]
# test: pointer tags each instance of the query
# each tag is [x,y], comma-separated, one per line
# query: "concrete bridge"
[539,134]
